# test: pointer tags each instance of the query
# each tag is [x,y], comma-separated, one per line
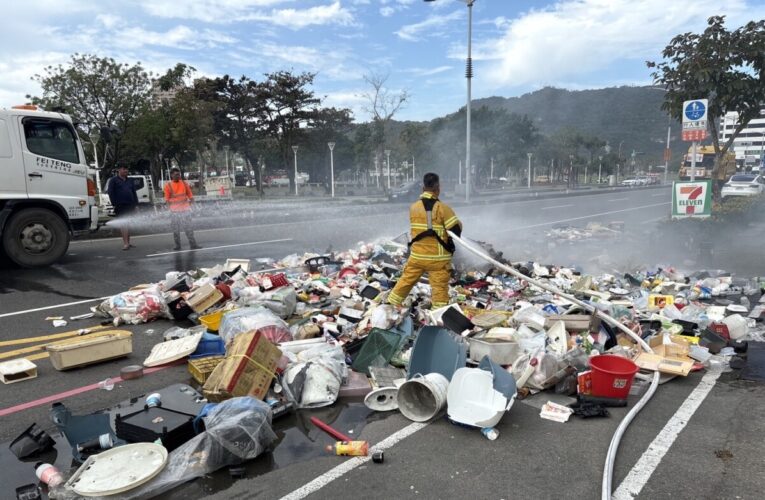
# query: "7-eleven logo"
[692,194]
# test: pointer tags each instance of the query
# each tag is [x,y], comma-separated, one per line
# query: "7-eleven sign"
[692,199]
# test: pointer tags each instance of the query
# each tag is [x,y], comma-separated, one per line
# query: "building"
[749,145]
[160,96]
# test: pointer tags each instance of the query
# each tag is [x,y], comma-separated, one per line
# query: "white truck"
[46,195]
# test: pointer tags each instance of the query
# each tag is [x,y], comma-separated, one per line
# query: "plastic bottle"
[48,474]
[490,432]
[350,448]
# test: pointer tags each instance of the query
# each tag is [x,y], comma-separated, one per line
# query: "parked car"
[631,182]
[408,192]
[743,185]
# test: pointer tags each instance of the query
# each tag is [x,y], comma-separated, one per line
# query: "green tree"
[99,93]
[723,66]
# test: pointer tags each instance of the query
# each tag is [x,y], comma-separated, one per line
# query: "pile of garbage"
[310,329]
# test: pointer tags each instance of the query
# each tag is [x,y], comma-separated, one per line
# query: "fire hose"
[608,470]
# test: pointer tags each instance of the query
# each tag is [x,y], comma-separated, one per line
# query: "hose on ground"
[608,470]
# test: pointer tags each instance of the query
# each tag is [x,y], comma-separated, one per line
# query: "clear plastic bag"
[135,306]
[177,332]
[314,380]
[237,430]
[258,318]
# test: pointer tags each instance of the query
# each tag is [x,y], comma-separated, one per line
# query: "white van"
[46,195]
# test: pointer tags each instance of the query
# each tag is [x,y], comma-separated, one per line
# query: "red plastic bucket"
[612,376]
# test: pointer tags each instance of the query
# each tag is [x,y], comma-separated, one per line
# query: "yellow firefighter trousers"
[438,271]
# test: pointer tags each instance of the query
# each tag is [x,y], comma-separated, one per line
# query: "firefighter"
[179,197]
[430,248]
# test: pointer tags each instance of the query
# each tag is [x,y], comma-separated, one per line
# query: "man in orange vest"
[178,197]
[431,248]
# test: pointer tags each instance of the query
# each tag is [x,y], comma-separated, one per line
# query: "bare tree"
[382,104]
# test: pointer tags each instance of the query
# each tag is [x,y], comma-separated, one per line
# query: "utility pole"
[529,155]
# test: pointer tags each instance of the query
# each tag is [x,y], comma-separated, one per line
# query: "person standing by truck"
[123,197]
[178,196]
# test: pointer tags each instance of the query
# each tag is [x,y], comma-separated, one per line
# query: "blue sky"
[518,46]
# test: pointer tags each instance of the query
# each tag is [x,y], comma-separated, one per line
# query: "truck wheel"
[35,237]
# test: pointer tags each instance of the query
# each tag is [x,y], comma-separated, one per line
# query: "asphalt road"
[717,455]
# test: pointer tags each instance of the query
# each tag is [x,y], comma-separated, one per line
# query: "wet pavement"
[548,457]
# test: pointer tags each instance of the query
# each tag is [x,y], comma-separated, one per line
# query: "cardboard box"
[203,298]
[669,358]
[575,322]
[247,370]
[95,348]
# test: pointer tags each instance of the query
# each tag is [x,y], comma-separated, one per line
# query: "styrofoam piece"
[172,350]
[118,470]
[472,400]
[231,264]
[383,399]
[17,370]
[558,337]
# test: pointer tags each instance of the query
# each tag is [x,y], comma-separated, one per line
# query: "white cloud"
[205,10]
[574,38]
[330,14]
[411,32]
[238,11]
[429,71]
[350,99]
[387,11]
[108,20]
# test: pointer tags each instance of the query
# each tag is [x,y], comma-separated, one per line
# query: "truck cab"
[46,195]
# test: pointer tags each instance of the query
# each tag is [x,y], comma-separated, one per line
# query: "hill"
[631,115]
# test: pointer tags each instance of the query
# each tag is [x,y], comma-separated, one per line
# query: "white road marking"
[643,470]
[336,219]
[590,216]
[219,247]
[651,221]
[617,199]
[51,307]
[557,206]
[660,194]
[352,463]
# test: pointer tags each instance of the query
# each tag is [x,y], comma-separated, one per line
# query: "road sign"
[691,199]
[695,120]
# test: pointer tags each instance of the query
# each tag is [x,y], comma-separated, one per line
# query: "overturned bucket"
[422,397]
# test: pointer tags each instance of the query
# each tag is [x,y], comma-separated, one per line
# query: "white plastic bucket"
[422,397]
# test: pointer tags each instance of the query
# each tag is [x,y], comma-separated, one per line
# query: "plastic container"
[612,376]
[421,398]
[737,326]
[81,351]
[503,352]
[210,345]
[212,321]
[201,368]
[437,350]
[48,474]
[473,400]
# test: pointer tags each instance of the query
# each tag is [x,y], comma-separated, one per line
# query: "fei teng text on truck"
[46,195]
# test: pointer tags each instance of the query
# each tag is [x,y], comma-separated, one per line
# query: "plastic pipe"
[608,470]
[329,430]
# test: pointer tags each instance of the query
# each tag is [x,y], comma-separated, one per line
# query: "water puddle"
[298,440]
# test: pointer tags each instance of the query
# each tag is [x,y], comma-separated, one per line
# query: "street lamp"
[468,76]
[529,155]
[571,181]
[226,148]
[294,150]
[600,167]
[332,166]
[387,165]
